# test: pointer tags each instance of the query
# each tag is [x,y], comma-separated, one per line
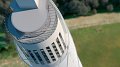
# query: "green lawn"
[97,47]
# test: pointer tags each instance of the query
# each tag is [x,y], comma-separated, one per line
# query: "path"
[98,19]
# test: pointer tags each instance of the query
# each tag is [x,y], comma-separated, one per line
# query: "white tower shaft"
[41,35]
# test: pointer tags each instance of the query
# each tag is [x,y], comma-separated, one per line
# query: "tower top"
[29,15]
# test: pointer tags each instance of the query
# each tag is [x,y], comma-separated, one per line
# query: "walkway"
[98,19]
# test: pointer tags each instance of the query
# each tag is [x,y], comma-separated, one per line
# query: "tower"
[41,35]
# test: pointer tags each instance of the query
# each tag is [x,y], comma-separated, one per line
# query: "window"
[45,56]
[59,44]
[55,49]
[50,53]
[24,51]
[38,56]
[60,35]
[33,57]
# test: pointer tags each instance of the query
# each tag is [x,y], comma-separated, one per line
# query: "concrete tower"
[41,35]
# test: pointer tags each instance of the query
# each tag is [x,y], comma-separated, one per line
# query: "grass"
[12,62]
[97,46]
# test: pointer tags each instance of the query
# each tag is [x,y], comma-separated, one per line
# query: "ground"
[97,46]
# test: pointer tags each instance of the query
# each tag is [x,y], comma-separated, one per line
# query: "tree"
[77,7]
[92,3]
[110,7]
[61,5]
[1,19]
[4,12]
[94,11]
[104,1]
[116,2]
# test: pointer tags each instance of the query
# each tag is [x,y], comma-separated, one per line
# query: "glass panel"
[33,57]
[44,55]
[50,53]
[62,40]
[59,44]
[38,56]
[55,49]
